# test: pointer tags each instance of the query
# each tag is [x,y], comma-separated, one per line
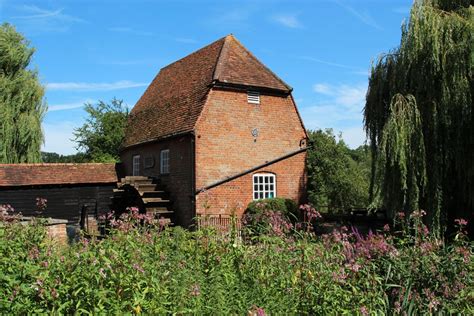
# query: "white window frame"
[165,161]
[262,186]
[253,97]
[136,165]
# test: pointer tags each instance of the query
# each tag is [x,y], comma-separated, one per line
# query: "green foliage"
[21,100]
[151,271]
[57,158]
[287,207]
[402,158]
[102,134]
[338,177]
[434,64]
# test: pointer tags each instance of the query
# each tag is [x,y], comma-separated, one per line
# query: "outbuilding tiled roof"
[56,173]
[174,100]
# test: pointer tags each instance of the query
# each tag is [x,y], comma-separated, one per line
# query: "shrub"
[275,216]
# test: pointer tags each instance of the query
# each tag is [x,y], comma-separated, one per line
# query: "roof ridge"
[218,66]
[194,52]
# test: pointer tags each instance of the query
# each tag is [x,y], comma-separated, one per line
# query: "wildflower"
[138,268]
[386,228]
[364,311]
[54,293]
[257,311]
[137,309]
[102,273]
[401,215]
[195,290]
[34,253]
[45,264]
[461,222]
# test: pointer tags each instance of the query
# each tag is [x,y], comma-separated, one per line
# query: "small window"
[149,162]
[136,165]
[264,186]
[253,97]
[165,161]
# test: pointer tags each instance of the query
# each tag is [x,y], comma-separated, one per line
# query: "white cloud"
[363,16]
[129,30]
[68,106]
[322,88]
[33,12]
[355,70]
[58,137]
[38,20]
[84,86]
[339,107]
[288,20]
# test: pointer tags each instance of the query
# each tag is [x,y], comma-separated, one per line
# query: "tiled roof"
[56,173]
[174,100]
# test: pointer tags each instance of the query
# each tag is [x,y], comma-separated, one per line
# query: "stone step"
[153,194]
[158,210]
[135,178]
[154,200]
[145,187]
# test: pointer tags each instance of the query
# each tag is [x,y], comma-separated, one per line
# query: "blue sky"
[97,50]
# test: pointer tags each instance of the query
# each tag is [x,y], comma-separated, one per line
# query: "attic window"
[253,97]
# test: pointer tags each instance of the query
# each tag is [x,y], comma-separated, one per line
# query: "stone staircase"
[147,194]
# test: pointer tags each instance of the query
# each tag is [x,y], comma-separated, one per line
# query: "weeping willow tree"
[21,100]
[419,115]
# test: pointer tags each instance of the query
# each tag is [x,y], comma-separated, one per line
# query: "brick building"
[218,129]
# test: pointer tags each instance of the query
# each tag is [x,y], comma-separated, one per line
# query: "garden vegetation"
[143,268]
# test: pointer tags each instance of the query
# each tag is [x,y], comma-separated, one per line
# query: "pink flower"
[461,221]
[386,228]
[364,311]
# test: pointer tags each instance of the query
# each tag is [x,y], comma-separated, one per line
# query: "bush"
[145,269]
[275,216]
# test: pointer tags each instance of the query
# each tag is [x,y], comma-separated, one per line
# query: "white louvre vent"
[253,97]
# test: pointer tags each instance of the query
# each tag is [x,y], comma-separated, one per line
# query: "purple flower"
[138,268]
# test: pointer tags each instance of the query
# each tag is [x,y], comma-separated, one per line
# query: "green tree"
[338,177]
[419,115]
[102,134]
[21,100]
[50,157]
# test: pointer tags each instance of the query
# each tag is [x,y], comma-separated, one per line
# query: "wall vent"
[253,97]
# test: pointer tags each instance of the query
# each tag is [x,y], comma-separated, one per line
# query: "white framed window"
[264,186]
[253,97]
[136,165]
[165,161]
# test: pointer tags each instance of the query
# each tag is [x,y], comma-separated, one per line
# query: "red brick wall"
[224,142]
[178,182]
[235,195]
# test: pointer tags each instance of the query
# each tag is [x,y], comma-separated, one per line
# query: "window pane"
[255,195]
[271,194]
[266,187]
[261,187]
[271,179]
[255,187]
[266,179]
[260,179]
[267,195]
[261,195]
[271,187]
